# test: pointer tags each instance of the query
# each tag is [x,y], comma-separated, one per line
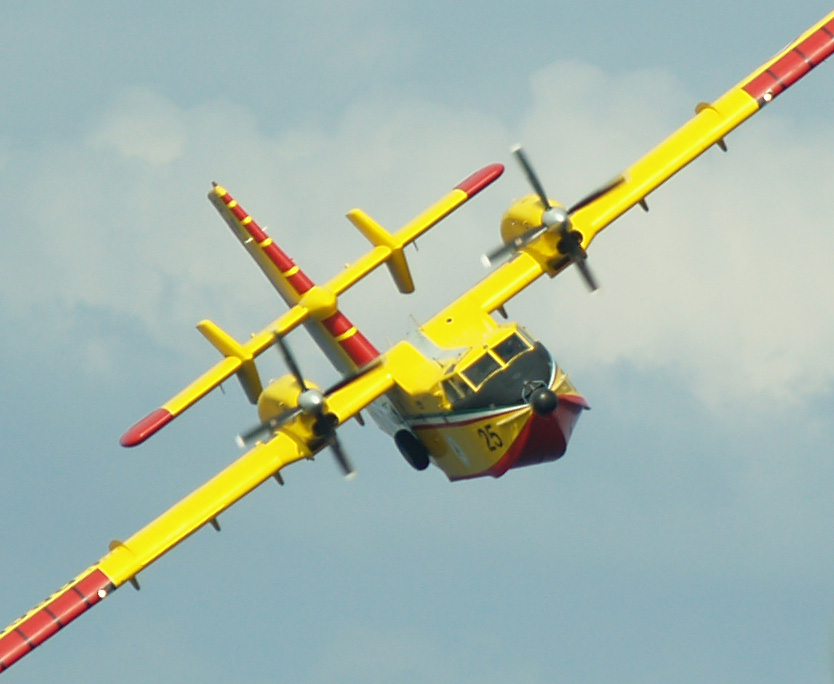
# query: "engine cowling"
[279,396]
[522,216]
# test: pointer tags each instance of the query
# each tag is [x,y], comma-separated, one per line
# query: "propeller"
[312,402]
[554,218]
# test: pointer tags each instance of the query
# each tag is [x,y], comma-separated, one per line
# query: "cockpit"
[498,375]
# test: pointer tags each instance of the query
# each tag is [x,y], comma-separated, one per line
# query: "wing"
[710,125]
[126,559]
[712,122]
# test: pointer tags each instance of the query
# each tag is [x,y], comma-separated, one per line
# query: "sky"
[685,536]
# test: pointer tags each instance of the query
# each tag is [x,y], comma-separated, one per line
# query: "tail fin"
[345,347]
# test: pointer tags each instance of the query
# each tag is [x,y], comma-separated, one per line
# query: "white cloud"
[144,126]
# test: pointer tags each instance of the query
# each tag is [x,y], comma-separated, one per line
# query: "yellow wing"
[295,441]
[712,122]
[710,125]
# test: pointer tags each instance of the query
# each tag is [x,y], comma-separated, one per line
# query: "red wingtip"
[480,179]
[146,427]
[55,613]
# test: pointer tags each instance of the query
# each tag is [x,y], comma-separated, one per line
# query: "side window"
[510,348]
[455,388]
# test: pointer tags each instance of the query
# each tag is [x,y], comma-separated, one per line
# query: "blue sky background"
[685,537]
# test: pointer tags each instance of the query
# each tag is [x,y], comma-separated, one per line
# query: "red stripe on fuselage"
[356,346]
[543,438]
[278,257]
[300,282]
[359,349]
[337,324]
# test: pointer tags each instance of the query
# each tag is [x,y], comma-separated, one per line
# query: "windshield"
[510,348]
[480,370]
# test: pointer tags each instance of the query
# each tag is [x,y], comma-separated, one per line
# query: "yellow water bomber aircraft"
[469,391]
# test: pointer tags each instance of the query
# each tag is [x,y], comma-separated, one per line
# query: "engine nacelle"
[522,216]
[279,396]
[526,215]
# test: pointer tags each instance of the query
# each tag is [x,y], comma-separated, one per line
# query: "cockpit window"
[481,369]
[510,348]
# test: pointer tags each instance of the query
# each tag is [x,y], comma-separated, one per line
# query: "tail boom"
[347,348]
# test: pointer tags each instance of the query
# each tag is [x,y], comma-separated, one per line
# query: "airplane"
[469,391]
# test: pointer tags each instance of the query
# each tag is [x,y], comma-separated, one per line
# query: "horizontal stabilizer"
[390,247]
[229,347]
[241,362]
[379,237]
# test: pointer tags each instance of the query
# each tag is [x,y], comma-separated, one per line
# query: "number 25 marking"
[493,439]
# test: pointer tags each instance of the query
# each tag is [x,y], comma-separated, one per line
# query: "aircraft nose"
[543,401]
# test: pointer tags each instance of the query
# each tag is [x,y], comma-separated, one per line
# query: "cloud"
[142,126]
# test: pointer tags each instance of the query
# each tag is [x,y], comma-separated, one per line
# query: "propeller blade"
[571,246]
[358,373]
[289,359]
[244,438]
[531,175]
[341,457]
[325,426]
[555,218]
[513,246]
[498,253]
[585,270]
[596,194]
